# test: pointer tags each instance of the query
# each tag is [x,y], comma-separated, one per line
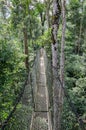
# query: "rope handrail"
[72,106]
[18,99]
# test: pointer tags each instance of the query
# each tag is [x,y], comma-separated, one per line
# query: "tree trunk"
[47,4]
[42,16]
[26,48]
[81,26]
[55,63]
[62,54]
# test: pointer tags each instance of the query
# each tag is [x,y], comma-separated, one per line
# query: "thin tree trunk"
[42,16]
[81,25]
[26,48]
[55,63]
[47,4]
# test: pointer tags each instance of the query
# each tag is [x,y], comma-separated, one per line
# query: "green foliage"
[19,123]
[45,39]
[12,68]
[12,71]
[75,73]
[26,13]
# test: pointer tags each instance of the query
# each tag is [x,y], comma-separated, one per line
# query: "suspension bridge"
[40,78]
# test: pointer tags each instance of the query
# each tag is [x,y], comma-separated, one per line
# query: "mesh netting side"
[49,80]
[34,76]
[48,69]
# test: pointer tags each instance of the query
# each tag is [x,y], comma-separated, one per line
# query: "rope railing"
[72,106]
[18,99]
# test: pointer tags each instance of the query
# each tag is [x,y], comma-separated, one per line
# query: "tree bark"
[42,16]
[81,26]
[62,54]
[26,48]
[62,42]
[47,4]
[55,63]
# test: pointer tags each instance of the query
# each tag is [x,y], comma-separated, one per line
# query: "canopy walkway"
[41,118]
[39,80]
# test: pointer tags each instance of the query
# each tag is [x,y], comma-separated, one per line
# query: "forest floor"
[41,115]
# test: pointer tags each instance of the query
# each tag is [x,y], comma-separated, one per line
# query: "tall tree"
[47,5]
[62,55]
[26,47]
[20,17]
[55,62]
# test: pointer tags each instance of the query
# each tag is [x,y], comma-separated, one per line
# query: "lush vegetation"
[23,30]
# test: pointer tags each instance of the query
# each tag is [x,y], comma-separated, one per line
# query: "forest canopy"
[58,27]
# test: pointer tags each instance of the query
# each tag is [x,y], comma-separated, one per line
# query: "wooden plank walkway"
[41,119]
